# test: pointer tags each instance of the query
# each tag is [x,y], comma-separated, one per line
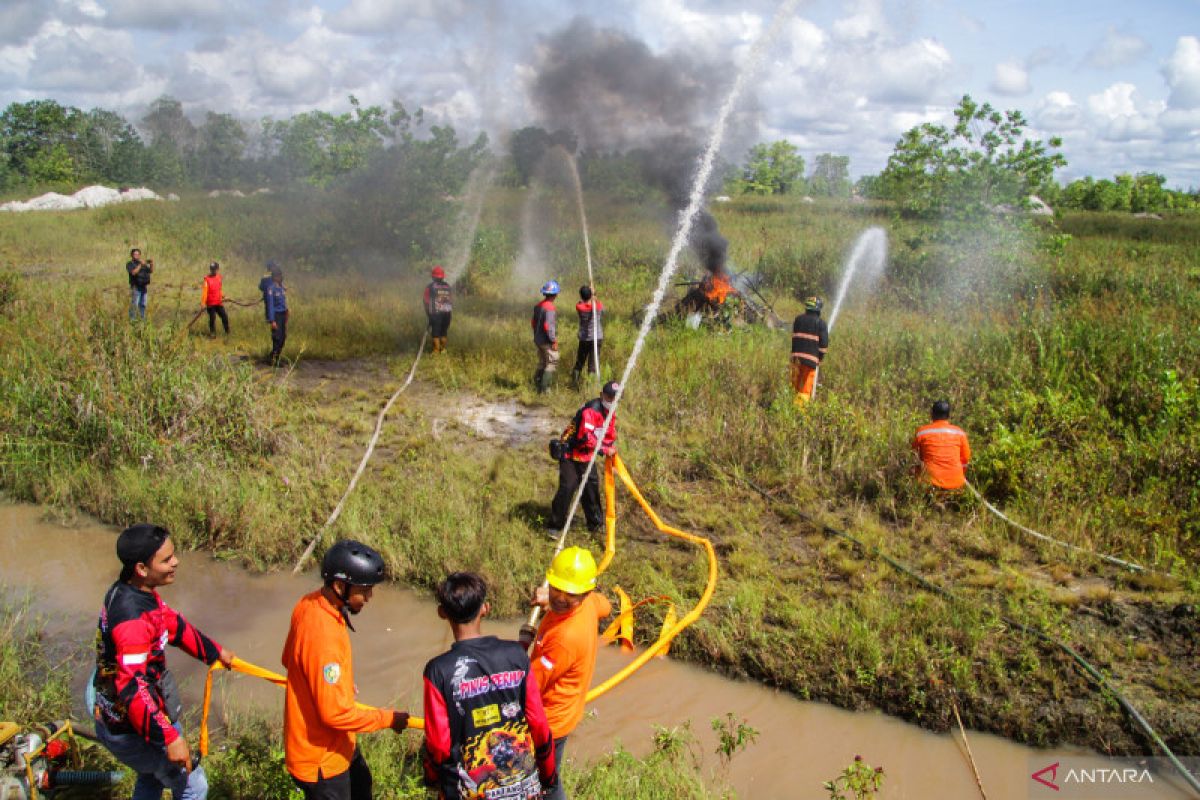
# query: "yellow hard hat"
[573,571]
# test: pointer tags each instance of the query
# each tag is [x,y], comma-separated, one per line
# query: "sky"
[1119,82]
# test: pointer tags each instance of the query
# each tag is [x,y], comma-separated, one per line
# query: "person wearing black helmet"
[134,699]
[320,718]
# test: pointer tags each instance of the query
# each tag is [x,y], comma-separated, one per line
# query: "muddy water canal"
[65,571]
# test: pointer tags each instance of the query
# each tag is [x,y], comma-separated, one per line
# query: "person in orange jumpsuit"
[564,652]
[320,718]
[943,448]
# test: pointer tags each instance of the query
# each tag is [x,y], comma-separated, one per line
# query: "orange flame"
[716,287]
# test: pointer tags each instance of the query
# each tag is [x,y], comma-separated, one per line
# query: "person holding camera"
[573,449]
[139,279]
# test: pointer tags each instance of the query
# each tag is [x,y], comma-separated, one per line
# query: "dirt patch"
[370,382]
[507,421]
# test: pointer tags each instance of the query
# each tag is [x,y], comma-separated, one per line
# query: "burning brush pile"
[720,299]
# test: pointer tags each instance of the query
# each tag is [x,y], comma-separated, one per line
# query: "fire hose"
[1051,540]
[1086,667]
[619,630]
[362,465]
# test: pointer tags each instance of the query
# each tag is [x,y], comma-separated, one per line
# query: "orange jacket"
[320,718]
[564,660]
[212,295]
[944,449]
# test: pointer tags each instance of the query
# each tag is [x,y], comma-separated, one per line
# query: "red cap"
[439,273]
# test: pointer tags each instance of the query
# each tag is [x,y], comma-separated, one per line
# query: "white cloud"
[866,22]
[170,15]
[375,17]
[20,19]
[1010,78]
[1182,72]
[1122,116]
[292,77]
[1116,49]
[911,73]
[1058,112]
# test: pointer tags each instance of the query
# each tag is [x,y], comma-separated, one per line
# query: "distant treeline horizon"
[44,144]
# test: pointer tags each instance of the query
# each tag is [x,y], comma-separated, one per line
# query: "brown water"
[800,744]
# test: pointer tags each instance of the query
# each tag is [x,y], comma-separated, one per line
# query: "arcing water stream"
[477,185]
[869,255]
[587,249]
[800,745]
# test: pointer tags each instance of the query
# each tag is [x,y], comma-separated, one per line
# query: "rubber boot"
[574,379]
[443,345]
[537,380]
[546,382]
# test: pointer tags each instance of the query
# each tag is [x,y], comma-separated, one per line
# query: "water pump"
[35,763]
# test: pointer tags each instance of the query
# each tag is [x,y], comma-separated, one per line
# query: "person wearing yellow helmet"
[564,652]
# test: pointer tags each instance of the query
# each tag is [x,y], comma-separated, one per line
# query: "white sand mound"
[1038,207]
[87,197]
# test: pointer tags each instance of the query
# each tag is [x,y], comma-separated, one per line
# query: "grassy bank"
[1068,354]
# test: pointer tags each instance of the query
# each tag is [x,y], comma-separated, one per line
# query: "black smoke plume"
[616,95]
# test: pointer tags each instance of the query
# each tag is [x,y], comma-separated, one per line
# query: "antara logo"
[1048,776]
[1053,770]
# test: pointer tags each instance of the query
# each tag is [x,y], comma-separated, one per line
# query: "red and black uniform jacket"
[134,691]
[438,299]
[810,339]
[545,323]
[486,734]
[590,314]
[580,435]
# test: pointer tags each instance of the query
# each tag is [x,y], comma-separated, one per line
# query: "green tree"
[776,168]
[318,146]
[983,160]
[39,139]
[171,136]
[403,202]
[830,176]
[111,149]
[220,145]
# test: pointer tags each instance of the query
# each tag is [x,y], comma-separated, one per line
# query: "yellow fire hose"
[620,630]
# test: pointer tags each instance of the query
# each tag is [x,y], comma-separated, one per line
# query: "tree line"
[45,143]
[985,160]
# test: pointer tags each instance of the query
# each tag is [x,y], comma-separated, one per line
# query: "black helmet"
[352,562]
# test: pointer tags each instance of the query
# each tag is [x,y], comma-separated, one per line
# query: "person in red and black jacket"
[591,334]
[439,304]
[545,337]
[580,441]
[486,734]
[136,702]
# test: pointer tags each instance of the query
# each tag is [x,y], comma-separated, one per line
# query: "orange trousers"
[804,382]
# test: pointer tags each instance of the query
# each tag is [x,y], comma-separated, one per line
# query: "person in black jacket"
[486,733]
[810,340]
[139,279]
